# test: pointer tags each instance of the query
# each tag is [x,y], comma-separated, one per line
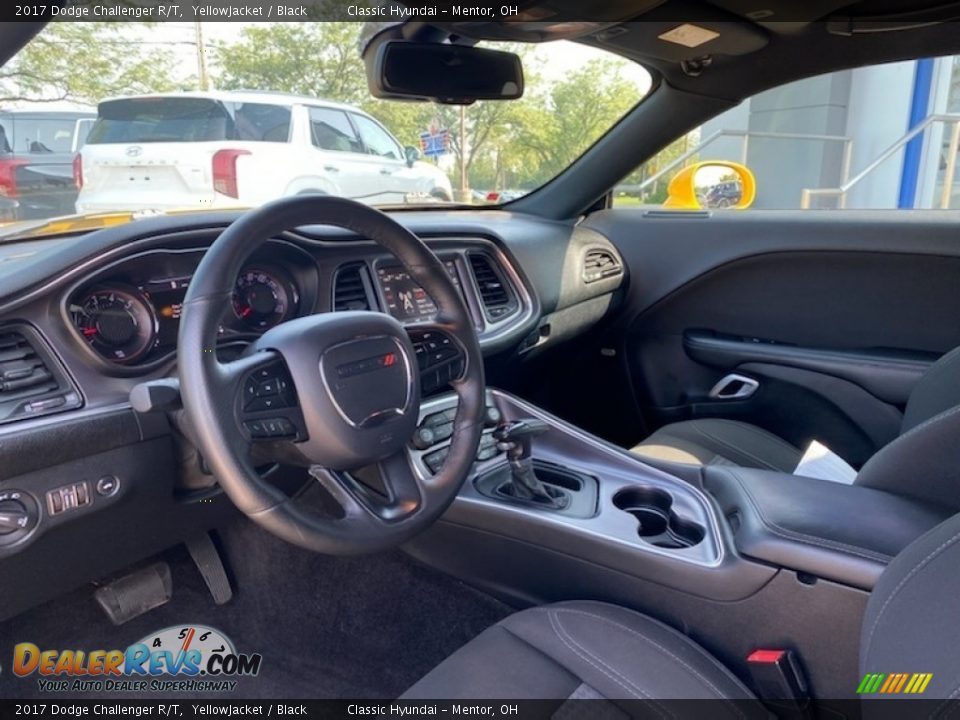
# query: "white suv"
[228,149]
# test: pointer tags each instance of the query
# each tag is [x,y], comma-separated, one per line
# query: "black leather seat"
[923,462]
[592,650]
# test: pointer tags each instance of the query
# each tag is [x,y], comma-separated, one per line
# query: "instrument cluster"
[132,316]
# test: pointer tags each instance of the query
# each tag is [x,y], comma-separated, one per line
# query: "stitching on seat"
[788,534]
[690,643]
[735,449]
[619,679]
[923,563]
[657,645]
[936,418]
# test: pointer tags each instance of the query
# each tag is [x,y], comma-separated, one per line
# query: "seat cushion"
[583,650]
[720,442]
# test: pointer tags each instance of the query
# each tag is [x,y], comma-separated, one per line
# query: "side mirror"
[711,185]
[412,154]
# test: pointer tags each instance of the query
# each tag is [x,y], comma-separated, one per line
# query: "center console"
[737,559]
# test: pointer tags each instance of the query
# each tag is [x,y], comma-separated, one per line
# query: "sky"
[179,36]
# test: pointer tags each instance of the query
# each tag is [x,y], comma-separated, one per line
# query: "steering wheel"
[342,390]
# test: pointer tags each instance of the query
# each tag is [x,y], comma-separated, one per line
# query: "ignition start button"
[108,486]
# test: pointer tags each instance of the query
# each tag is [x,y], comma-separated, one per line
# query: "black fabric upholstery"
[583,649]
[937,391]
[719,442]
[911,620]
[923,463]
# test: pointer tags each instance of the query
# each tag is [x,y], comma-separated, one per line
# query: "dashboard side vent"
[496,295]
[352,289]
[31,383]
[600,264]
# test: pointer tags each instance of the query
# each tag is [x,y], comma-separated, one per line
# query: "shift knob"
[515,436]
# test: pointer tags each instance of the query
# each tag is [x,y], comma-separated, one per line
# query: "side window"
[261,123]
[877,137]
[331,130]
[376,139]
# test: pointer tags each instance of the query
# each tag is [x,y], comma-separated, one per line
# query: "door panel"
[835,314]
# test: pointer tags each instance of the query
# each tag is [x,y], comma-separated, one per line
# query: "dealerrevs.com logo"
[185,658]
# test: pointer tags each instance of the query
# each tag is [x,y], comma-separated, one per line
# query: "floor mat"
[365,627]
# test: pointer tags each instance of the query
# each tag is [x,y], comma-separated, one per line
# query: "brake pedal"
[132,595]
[208,561]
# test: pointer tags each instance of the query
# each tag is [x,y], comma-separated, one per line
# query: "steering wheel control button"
[108,486]
[268,389]
[439,359]
[270,428]
[68,497]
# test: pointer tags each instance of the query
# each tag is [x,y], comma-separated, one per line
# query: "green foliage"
[317,59]
[84,62]
[518,144]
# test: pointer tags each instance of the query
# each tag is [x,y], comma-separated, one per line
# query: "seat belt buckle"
[778,679]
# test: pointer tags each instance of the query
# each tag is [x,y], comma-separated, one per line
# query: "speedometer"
[261,299]
[118,324]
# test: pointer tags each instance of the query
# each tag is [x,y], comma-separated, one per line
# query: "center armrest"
[845,533]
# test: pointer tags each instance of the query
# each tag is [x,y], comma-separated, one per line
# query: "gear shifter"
[515,437]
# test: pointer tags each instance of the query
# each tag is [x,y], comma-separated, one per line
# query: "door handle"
[386,171]
[734,387]
[331,168]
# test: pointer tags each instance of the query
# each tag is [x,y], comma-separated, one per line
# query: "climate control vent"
[31,383]
[600,264]
[352,289]
[496,295]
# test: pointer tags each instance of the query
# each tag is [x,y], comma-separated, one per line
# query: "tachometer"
[261,299]
[119,324]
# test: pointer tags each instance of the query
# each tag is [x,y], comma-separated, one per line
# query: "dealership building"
[876,137]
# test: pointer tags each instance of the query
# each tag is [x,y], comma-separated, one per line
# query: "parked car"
[37,148]
[219,149]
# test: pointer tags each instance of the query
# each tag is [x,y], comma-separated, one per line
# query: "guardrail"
[949,175]
[745,136]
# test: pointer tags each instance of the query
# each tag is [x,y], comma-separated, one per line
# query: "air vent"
[30,382]
[495,294]
[600,264]
[351,288]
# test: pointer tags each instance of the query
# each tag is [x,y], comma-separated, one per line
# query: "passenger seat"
[922,462]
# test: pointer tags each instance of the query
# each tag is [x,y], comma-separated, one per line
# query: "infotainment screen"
[407,301]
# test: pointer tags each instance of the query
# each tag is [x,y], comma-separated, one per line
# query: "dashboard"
[85,319]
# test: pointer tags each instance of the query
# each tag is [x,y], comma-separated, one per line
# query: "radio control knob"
[424,438]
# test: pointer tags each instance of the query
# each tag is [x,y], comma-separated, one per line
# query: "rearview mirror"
[450,74]
[715,184]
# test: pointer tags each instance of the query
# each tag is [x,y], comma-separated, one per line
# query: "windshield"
[144,118]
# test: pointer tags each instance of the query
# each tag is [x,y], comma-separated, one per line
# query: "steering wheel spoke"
[266,405]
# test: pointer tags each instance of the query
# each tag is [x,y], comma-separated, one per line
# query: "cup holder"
[658,524]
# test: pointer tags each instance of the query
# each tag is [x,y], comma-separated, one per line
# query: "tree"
[573,113]
[85,62]
[321,60]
